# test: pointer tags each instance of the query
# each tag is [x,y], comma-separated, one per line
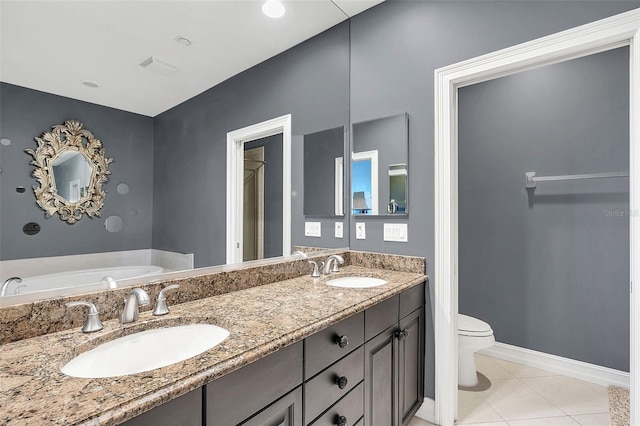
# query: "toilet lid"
[468,325]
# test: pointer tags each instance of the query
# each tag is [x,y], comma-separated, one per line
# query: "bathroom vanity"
[300,352]
[367,369]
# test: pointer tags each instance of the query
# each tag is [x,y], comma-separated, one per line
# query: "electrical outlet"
[361,232]
[312,229]
[338,231]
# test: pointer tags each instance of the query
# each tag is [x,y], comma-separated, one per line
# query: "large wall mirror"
[324,172]
[165,205]
[380,166]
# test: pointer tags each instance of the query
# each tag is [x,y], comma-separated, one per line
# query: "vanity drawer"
[238,395]
[351,407]
[411,299]
[322,391]
[324,348]
[380,317]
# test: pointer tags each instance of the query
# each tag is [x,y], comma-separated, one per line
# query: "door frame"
[606,34]
[235,178]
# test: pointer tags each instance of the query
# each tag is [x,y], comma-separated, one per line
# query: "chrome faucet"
[335,260]
[130,313]
[314,270]
[5,284]
[161,301]
[92,322]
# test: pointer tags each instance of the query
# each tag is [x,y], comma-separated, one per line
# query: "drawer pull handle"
[402,334]
[341,421]
[342,341]
[341,381]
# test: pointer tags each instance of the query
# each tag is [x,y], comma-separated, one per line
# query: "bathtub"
[86,280]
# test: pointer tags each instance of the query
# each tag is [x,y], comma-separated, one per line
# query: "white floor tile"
[490,368]
[481,413]
[516,401]
[511,394]
[548,421]
[521,371]
[572,396]
[601,419]
[417,421]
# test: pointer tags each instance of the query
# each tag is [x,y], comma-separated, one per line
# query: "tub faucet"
[5,284]
[137,297]
[335,260]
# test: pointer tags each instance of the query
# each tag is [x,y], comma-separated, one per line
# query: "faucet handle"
[92,323]
[315,273]
[161,301]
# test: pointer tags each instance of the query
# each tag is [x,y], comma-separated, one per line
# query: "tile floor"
[511,394]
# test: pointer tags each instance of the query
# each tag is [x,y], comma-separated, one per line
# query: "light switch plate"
[397,232]
[312,229]
[361,232]
[338,231]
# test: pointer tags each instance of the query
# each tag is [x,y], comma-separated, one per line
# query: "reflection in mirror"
[397,189]
[71,167]
[364,182]
[31,228]
[262,198]
[122,188]
[380,149]
[324,173]
[72,174]
[114,224]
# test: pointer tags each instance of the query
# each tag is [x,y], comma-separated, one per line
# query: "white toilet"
[473,335]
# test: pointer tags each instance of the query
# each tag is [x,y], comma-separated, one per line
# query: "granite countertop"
[261,320]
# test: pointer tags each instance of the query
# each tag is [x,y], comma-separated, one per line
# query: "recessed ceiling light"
[159,66]
[90,84]
[183,41]
[273,8]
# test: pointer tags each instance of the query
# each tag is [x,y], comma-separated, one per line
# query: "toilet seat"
[473,327]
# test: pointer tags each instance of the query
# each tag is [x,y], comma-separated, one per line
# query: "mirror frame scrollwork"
[65,137]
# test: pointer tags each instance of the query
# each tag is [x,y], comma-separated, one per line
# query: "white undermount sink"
[145,351]
[356,282]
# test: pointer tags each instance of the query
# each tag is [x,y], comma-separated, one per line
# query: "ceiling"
[53,46]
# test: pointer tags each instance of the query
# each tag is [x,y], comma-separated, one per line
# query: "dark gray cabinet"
[186,410]
[411,365]
[236,397]
[287,411]
[394,366]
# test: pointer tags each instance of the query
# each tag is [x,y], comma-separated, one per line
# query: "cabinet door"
[233,398]
[287,411]
[411,364]
[381,380]
[185,410]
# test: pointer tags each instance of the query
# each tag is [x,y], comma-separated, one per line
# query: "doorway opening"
[617,31]
[253,201]
[240,145]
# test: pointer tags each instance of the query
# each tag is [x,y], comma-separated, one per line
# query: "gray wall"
[127,138]
[309,81]
[395,48]
[272,193]
[548,269]
[320,152]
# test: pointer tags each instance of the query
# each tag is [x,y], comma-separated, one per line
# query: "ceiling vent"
[158,66]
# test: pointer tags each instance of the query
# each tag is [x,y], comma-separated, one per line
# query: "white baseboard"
[556,364]
[427,410]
